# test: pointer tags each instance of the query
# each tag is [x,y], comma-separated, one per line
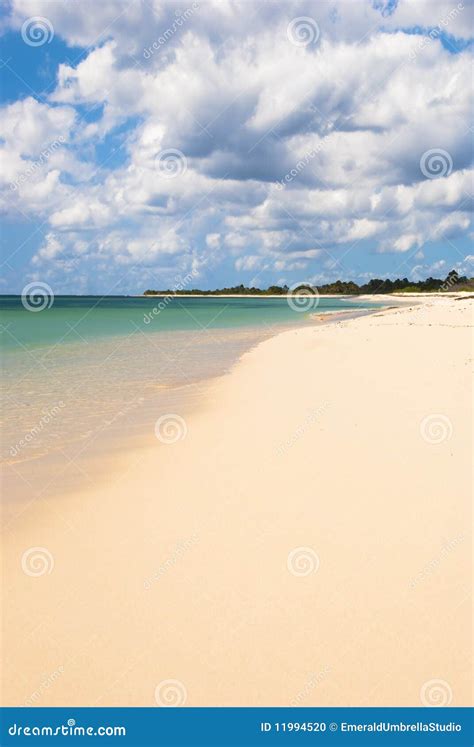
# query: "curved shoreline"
[107,443]
[319,440]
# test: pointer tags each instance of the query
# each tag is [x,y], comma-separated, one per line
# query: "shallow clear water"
[91,372]
[72,319]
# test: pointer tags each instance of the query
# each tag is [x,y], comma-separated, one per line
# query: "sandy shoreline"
[306,543]
[375,297]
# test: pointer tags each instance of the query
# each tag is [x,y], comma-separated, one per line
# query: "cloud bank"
[254,142]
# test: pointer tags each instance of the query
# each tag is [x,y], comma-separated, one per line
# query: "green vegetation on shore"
[453,282]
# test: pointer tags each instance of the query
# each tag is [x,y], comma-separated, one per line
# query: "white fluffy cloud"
[235,142]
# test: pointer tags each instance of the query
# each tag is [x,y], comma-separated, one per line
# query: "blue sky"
[246,142]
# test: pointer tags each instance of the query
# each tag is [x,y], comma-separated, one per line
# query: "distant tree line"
[453,281]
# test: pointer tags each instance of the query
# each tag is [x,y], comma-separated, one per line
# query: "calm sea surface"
[88,371]
[88,319]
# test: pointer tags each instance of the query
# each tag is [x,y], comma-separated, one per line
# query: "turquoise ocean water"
[85,373]
[72,319]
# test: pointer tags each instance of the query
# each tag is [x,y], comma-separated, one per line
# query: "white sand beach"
[307,542]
